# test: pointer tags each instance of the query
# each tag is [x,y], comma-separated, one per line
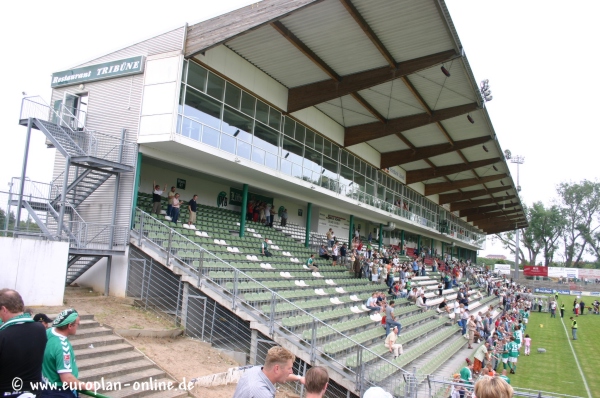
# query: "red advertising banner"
[535,271]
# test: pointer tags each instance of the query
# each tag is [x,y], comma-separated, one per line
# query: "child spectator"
[527,344]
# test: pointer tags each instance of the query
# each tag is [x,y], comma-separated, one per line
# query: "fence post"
[148,285]
[141,233]
[302,385]
[200,265]
[177,303]
[169,246]
[272,315]
[235,288]
[313,342]
[359,370]
[414,382]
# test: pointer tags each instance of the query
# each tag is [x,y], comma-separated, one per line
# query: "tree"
[546,225]
[527,241]
[580,206]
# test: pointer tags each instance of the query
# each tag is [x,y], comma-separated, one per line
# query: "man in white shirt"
[421,302]
[390,342]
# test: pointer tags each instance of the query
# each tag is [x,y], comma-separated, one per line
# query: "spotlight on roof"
[286,155]
[471,119]
[236,133]
[445,71]
[507,154]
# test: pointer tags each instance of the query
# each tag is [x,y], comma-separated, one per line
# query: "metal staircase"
[91,159]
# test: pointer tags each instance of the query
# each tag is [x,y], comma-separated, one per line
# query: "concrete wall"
[35,268]
[95,277]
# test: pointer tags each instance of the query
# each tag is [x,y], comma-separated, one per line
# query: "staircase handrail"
[264,289]
[88,142]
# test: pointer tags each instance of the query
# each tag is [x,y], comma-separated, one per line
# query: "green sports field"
[556,370]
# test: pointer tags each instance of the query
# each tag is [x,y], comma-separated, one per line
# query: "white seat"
[355,309]
[167,218]
[335,300]
[229,249]
[275,247]
[364,308]
[320,292]
[340,290]
[330,282]
[286,253]
[317,275]
[354,298]
[269,241]
[163,212]
[304,266]
[186,226]
[375,317]
[300,283]
[285,274]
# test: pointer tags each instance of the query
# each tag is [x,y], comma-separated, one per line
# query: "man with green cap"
[59,367]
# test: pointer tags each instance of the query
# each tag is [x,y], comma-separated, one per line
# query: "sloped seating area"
[330,294]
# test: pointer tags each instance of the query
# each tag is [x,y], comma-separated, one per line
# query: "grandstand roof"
[375,68]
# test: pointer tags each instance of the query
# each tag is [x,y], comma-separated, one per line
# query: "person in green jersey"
[466,373]
[505,353]
[518,334]
[513,355]
[59,367]
[310,263]
[505,377]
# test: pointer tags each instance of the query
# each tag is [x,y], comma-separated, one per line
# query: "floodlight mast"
[519,160]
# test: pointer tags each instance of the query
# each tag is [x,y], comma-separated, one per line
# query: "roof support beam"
[499,221]
[455,197]
[369,32]
[316,93]
[303,48]
[458,206]
[396,158]
[368,107]
[439,187]
[487,209]
[506,228]
[413,176]
[370,131]
[508,214]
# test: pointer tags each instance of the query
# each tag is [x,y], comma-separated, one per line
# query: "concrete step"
[113,371]
[86,353]
[97,341]
[82,317]
[130,378]
[87,324]
[91,332]
[114,359]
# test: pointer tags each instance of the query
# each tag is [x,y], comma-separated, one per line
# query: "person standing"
[22,344]
[316,381]
[176,204]
[581,306]
[527,341]
[481,354]
[284,217]
[553,309]
[472,326]
[356,265]
[59,368]
[156,198]
[260,381]
[390,319]
[192,207]
[43,318]
[171,196]
[343,255]
[574,328]
[390,342]
[562,310]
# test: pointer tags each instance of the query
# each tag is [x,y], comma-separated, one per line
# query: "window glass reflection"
[210,137]
[300,133]
[258,155]
[288,127]
[191,129]
[271,160]
[266,138]
[197,76]
[310,138]
[295,150]
[275,119]
[312,160]
[233,96]
[262,112]
[248,104]
[237,124]
[202,108]
[228,143]
[244,149]
[215,86]
[286,167]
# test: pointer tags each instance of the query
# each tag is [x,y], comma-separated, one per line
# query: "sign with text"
[235,197]
[339,224]
[562,272]
[502,269]
[106,70]
[535,271]
[396,172]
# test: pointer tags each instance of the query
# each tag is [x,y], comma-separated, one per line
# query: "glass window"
[313,160]
[346,173]
[262,112]
[300,133]
[233,96]
[237,124]
[297,171]
[370,188]
[293,150]
[215,86]
[286,167]
[248,104]
[210,137]
[271,160]
[266,138]
[319,143]
[181,98]
[191,129]
[202,108]
[275,119]
[228,143]
[327,148]
[310,138]
[184,71]
[258,155]
[244,149]
[288,127]
[335,151]
[331,167]
[197,76]
[359,181]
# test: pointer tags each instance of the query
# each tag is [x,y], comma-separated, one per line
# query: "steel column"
[23,172]
[244,210]
[308,217]
[380,236]
[63,196]
[351,232]
[107,277]
[136,187]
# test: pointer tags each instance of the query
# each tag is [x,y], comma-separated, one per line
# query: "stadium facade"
[352,115]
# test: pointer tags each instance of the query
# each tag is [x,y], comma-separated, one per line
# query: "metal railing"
[87,142]
[93,236]
[271,311]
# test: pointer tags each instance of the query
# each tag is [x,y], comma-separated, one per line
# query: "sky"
[538,56]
